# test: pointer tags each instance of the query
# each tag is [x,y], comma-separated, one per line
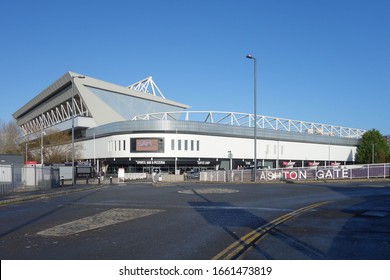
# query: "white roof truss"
[60,113]
[264,122]
[147,85]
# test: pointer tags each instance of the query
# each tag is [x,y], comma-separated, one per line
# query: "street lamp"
[230,155]
[73,115]
[27,143]
[42,133]
[249,56]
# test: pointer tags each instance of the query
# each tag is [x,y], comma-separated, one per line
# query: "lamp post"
[26,152]
[42,133]
[249,56]
[73,115]
[230,155]
[27,143]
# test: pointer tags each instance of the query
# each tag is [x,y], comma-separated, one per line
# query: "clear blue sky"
[325,61]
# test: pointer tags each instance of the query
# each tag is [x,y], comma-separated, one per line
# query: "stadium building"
[135,127]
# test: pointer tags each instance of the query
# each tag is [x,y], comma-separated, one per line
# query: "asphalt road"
[191,221]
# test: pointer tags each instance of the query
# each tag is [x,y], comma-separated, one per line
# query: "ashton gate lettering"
[304,174]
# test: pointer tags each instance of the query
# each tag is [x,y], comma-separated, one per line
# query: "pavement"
[25,195]
[22,195]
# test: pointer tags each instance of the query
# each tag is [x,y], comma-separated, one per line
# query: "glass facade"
[129,106]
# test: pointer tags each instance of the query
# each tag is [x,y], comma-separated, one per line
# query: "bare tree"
[56,144]
[57,147]
[10,134]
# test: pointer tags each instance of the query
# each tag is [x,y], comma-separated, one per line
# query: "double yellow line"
[236,249]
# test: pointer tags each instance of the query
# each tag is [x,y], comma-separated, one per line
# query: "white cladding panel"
[118,146]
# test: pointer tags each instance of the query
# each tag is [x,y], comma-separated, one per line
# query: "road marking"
[373,213]
[176,206]
[208,191]
[236,249]
[373,186]
[103,219]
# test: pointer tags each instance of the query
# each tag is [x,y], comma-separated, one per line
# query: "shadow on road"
[356,225]
[366,234]
[44,215]
[228,217]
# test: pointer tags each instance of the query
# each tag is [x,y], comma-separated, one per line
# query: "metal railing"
[262,122]
[344,172]
[25,178]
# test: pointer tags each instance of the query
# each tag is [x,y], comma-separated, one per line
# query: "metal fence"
[344,172]
[22,178]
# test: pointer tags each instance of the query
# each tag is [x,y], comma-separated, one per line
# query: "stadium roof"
[101,104]
[96,103]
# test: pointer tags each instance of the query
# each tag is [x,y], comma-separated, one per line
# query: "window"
[179,145]
[124,145]
[119,145]
[172,144]
[192,145]
[185,145]
[197,145]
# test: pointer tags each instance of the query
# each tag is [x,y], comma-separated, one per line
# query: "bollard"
[99,180]
[110,179]
[62,181]
[87,180]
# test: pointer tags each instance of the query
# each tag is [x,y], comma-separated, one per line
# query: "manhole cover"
[208,191]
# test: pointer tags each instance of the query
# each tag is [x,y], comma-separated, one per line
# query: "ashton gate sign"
[302,173]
